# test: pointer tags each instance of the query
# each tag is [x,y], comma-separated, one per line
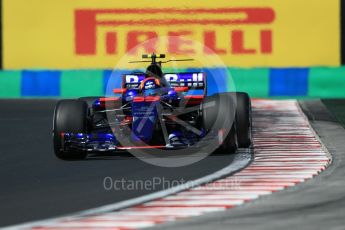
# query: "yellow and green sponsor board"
[97,34]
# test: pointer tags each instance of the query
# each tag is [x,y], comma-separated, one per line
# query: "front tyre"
[70,116]
[244,120]
[218,118]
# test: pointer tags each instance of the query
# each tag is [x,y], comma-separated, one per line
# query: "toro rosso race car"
[153,110]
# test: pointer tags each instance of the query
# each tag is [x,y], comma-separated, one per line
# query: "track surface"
[318,203]
[287,153]
[36,185]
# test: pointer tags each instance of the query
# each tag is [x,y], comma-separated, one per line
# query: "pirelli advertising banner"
[70,34]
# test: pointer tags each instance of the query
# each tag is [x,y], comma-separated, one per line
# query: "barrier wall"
[258,82]
[273,48]
[89,34]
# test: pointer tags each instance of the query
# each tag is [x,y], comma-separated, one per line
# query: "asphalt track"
[35,185]
[318,203]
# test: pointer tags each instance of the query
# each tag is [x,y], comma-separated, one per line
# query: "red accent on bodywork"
[119,90]
[194,99]
[147,99]
[107,99]
[181,89]
[110,102]
[138,99]
[152,98]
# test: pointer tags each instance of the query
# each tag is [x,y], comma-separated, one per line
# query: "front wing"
[103,142]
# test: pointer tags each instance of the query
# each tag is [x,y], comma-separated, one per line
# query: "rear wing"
[192,80]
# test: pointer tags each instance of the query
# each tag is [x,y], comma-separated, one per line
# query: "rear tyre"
[244,120]
[70,116]
[218,117]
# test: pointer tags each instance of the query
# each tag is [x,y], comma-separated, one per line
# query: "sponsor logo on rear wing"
[194,80]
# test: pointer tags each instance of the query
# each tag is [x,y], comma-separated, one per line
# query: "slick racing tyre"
[218,117]
[243,120]
[70,116]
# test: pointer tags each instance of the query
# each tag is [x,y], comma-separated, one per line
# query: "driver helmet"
[153,77]
[150,83]
[154,70]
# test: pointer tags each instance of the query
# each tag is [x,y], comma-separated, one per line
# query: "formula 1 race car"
[153,110]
